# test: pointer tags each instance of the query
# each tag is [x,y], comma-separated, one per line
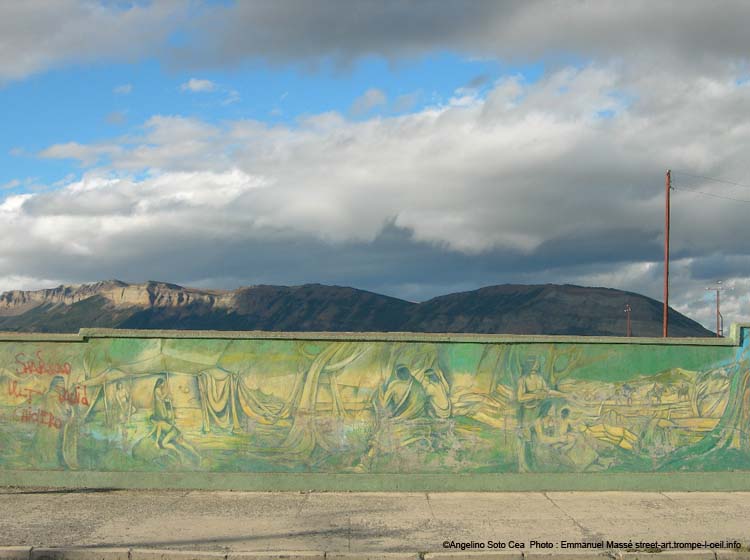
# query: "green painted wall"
[361,408]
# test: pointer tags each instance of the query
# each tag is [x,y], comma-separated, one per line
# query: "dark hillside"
[512,309]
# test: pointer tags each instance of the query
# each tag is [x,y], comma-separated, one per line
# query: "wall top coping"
[83,335]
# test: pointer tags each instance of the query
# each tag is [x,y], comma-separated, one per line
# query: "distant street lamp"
[719,318]
[627,314]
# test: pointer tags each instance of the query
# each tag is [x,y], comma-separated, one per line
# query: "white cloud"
[233,96]
[116,118]
[124,89]
[529,178]
[368,101]
[198,86]
[406,102]
[469,175]
[86,154]
[12,184]
[12,282]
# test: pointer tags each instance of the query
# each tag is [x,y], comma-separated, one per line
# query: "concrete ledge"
[617,555]
[614,555]
[592,555]
[40,337]
[667,555]
[15,552]
[92,553]
[733,481]
[373,556]
[468,555]
[298,555]
[83,335]
[72,553]
[732,340]
[79,554]
[167,554]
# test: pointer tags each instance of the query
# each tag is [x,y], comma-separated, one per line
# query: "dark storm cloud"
[38,35]
[717,266]
[559,180]
[692,31]
[689,34]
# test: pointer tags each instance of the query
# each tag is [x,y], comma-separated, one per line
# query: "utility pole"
[719,318]
[627,314]
[667,188]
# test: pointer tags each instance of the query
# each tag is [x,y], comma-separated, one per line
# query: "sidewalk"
[130,524]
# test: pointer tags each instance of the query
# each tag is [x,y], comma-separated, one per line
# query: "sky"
[408,148]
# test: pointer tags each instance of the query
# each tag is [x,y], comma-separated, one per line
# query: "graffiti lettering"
[39,366]
[41,417]
[21,392]
[74,397]
[378,407]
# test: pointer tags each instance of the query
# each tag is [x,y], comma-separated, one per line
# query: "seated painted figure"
[411,407]
[559,446]
[165,437]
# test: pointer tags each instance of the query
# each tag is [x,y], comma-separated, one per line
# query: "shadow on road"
[24,491]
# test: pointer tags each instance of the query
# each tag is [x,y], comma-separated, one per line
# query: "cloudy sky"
[410,148]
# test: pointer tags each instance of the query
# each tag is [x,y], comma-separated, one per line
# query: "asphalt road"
[365,525]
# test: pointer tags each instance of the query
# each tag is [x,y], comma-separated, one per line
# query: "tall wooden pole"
[718,314]
[628,330]
[719,321]
[667,188]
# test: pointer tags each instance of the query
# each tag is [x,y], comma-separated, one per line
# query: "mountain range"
[507,309]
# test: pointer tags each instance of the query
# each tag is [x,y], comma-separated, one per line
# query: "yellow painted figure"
[168,436]
[412,402]
[531,391]
[55,438]
[559,445]
[281,404]
[123,409]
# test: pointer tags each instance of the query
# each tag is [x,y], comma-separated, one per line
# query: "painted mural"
[275,405]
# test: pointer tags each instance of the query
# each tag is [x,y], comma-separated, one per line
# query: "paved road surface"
[362,524]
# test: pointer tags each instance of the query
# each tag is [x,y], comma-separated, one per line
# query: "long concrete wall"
[374,411]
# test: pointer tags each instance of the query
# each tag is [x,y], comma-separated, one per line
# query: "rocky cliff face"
[511,309]
[116,293]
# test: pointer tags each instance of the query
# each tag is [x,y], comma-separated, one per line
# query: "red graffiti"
[41,417]
[22,392]
[74,397]
[39,366]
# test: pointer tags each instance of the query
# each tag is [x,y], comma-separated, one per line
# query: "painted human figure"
[627,391]
[416,394]
[398,398]
[531,391]
[553,428]
[50,438]
[558,445]
[745,419]
[411,401]
[168,436]
[532,388]
[123,408]
[436,388]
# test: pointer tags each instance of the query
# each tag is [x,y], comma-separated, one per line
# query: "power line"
[714,179]
[710,194]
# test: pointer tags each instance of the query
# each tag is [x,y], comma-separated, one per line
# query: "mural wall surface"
[331,406]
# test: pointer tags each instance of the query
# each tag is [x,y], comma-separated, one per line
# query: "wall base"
[267,482]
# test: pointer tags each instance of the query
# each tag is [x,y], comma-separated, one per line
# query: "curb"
[15,552]
[93,553]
